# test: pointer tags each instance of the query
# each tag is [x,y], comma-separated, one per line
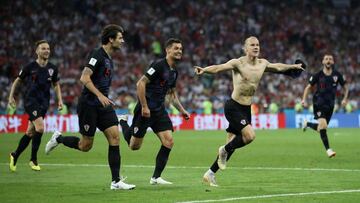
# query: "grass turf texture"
[277,162]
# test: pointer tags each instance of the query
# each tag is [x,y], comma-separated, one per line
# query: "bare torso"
[246,77]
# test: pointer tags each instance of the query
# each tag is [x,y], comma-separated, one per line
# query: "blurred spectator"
[207,107]
[131,107]
[254,109]
[273,108]
[173,110]
[348,108]
[64,110]
[212,32]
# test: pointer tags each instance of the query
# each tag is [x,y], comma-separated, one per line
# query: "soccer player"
[246,73]
[326,82]
[158,81]
[38,76]
[95,109]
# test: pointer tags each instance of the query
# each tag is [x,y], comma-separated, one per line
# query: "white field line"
[203,167]
[273,195]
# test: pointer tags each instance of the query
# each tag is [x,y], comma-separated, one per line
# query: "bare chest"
[250,73]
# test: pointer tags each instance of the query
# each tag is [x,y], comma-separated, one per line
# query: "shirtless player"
[246,72]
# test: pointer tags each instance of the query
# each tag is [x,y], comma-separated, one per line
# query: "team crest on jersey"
[34,113]
[107,63]
[318,113]
[136,129]
[243,121]
[335,78]
[86,127]
[51,72]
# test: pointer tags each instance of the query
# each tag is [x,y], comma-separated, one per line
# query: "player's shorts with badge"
[323,112]
[238,116]
[159,121]
[35,111]
[92,117]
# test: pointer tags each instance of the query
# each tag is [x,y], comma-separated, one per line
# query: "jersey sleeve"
[173,85]
[55,77]
[342,79]
[25,71]
[313,79]
[153,71]
[93,60]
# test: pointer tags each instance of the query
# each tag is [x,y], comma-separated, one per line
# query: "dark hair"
[110,31]
[171,41]
[37,43]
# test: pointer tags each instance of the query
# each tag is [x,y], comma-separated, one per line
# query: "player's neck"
[327,71]
[171,62]
[107,48]
[251,59]
[42,62]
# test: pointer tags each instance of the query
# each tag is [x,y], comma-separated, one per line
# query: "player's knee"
[114,140]
[134,147]
[322,125]
[29,133]
[168,142]
[248,137]
[85,147]
[40,129]
[135,143]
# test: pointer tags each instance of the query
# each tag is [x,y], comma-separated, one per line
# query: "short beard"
[328,66]
[44,57]
[176,60]
[115,48]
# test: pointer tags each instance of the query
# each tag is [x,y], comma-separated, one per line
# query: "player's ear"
[167,49]
[111,40]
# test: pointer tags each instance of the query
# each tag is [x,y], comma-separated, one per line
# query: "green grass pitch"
[279,166]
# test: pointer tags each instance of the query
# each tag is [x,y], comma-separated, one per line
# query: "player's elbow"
[83,80]
[140,84]
[216,69]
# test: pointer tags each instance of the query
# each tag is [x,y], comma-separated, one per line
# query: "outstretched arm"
[306,92]
[176,102]
[216,68]
[14,86]
[141,93]
[281,67]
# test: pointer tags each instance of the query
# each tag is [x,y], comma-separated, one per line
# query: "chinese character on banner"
[74,124]
[14,123]
[51,123]
[177,121]
[64,123]
[198,122]
[210,122]
[3,124]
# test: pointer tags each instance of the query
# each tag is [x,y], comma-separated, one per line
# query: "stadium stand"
[212,32]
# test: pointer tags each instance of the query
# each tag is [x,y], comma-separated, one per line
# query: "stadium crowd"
[212,32]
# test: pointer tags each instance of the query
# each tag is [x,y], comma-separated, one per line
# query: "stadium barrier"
[69,123]
[338,120]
